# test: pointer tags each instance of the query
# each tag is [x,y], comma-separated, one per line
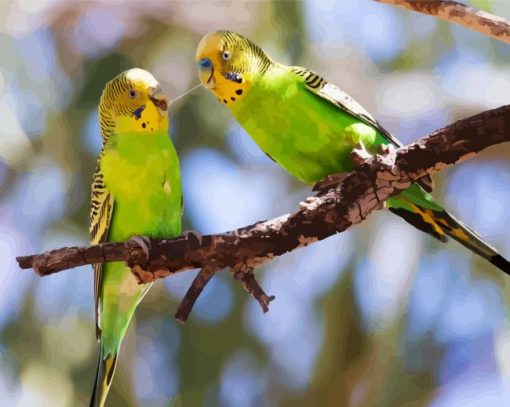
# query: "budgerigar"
[310,127]
[136,191]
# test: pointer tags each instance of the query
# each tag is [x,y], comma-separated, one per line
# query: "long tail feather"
[440,224]
[104,375]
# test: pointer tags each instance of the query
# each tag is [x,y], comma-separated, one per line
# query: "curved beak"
[159,99]
[206,73]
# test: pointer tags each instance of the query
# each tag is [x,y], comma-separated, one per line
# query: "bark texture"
[458,13]
[375,179]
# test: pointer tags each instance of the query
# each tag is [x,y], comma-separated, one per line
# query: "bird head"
[133,102]
[228,63]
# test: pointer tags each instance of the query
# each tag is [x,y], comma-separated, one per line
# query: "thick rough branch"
[375,180]
[454,12]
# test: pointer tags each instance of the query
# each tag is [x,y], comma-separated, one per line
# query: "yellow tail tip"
[104,376]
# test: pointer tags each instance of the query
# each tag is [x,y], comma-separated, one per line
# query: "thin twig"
[245,276]
[194,291]
[458,13]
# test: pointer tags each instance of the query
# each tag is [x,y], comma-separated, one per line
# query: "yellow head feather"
[228,63]
[133,102]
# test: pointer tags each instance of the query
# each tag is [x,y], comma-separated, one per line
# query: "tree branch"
[458,13]
[374,180]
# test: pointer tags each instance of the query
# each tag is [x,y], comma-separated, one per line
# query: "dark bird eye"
[132,94]
[226,55]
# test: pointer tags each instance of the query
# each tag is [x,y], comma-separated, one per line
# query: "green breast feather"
[147,201]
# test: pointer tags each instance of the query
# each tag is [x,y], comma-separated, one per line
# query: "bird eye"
[226,55]
[132,94]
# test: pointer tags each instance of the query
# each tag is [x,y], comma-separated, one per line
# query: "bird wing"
[332,94]
[100,219]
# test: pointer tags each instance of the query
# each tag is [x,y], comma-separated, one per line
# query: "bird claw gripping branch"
[331,181]
[359,155]
[139,270]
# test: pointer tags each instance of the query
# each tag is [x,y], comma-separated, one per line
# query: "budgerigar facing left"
[136,190]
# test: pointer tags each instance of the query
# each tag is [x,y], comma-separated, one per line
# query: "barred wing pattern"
[327,91]
[100,218]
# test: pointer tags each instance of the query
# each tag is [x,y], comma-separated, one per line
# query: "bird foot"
[331,181]
[145,244]
[385,149]
[359,154]
[143,267]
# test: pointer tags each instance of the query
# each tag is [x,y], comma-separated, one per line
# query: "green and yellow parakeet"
[136,190]
[309,127]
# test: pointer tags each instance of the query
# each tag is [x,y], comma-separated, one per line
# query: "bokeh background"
[381,315]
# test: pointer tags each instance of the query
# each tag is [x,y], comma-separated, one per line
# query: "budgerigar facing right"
[136,190]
